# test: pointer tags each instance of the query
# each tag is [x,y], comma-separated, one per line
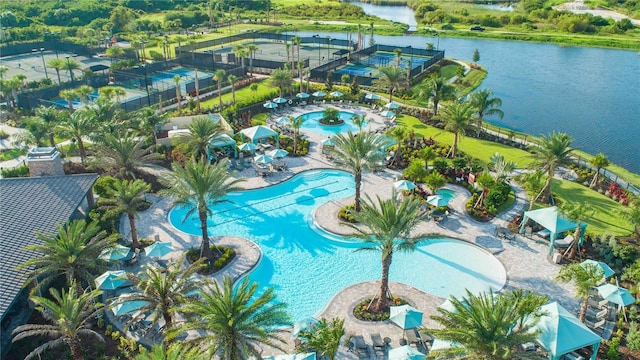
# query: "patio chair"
[358,346]
[573,356]
[412,339]
[595,325]
[597,304]
[563,243]
[607,331]
[379,345]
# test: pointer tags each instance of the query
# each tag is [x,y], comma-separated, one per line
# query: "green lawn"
[606,217]
[11,154]
[245,93]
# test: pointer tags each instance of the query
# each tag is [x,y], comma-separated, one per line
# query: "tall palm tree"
[386,228]
[202,131]
[218,76]
[398,53]
[125,155]
[150,122]
[34,133]
[296,123]
[72,251]
[632,214]
[57,65]
[549,152]
[84,92]
[198,187]
[50,116]
[324,337]
[428,154]
[533,183]
[232,81]
[240,53]
[70,65]
[164,291]
[398,133]
[69,95]
[436,88]
[173,351]
[457,119]
[488,325]
[282,80]
[234,322]
[599,161]
[127,197]
[391,78]
[485,103]
[576,212]
[77,126]
[70,314]
[176,80]
[585,278]
[359,153]
[501,167]
[252,49]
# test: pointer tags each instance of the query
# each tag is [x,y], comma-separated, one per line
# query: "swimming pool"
[311,122]
[446,193]
[307,269]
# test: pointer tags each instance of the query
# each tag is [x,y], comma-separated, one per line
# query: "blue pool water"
[307,269]
[311,123]
[446,193]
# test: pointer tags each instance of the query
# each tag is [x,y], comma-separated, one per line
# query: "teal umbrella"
[302,95]
[319,94]
[118,252]
[127,307]
[437,200]
[607,271]
[278,153]
[263,159]
[405,316]
[405,352]
[404,185]
[248,147]
[336,94]
[111,280]
[388,113]
[616,295]
[328,142]
[279,100]
[372,96]
[301,356]
[158,249]
[392,106]
[270,105]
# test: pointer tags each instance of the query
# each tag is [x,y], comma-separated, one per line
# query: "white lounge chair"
[564,243]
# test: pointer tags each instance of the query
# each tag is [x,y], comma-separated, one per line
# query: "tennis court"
[131,94]
[383,59]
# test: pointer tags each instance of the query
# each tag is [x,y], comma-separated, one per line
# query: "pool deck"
[525,261]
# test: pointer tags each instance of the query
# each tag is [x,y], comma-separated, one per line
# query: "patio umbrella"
[607,271]
[303,324]
[278,153]
[159,249]
[328,142]
[405,316]
[283,121]
[319,94]
[616,295]
[437,200]
[388,113]
[248,146]
[111,280]
[336,94]
[302,95]
[127,307]
[392,106]
[270,105]
[439,344]
[405,352]
[263,159]
[279,100]
[372,96]
[404,185]
[118,252]
[300,356]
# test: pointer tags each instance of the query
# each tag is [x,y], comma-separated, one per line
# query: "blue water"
[312,123]
[307,269]
[446,193]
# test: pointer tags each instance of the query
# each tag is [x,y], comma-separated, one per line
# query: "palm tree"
[232,81]
[386,228]
[576,212]
[296,123]
[252,49]
[488,325]
[501,167]
[533,183]
[176,80]
[398,53]
[300,72]
[599,161]
[437,88]
[282,80]
[359,153]
[164,291]
[150,122]
[485,104]
[391,78]
[234,322]
[457,118]
[127,197]
[202,131]
[584,278]
[114,52]
[324,337]
[34,133]
[84,92]
[174,351]
[57,65]
[218,76]
[125,155]
[239,52]
[70,314]
[632,214]
[398,133]
[72,251]
[76,126]
[428,154]
[198,187]
[70,65]
[550,152]
[50,116]
[69,95]
[435,181]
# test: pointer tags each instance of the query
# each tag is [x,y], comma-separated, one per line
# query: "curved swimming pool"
[307,269]
[311,122]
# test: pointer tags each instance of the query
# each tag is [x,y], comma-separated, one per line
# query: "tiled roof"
[28,205]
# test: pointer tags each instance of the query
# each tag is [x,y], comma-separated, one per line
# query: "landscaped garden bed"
[220,257]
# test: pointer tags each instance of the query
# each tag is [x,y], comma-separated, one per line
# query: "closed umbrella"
[248,146]
[392,106]
[336,94]
[388,113]
[302,95]
[319,94]
[372,96]
[270,105]
[303,324]
[437,200]
[606,270]
[263,159]
[118,252]
[405,316]
[159,249]
[111,280]
[616,294]
[405,352]
[404,185]
[278,153]
[279,100]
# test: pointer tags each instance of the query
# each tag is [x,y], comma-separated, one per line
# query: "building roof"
[28,205]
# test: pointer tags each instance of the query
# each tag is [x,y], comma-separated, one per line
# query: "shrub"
[221,257]
[103,185]
[3,135]
[346,213]
[20,171]
[614,346]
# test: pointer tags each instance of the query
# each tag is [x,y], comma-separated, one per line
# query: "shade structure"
[306,356]
[247,147]
[118,252]
[607,271]
[562,333]
[405,316]
[388,113]
[372,96]
[159,249]
[257,133]
[392,106]
[278,153]
[404,185]
[283,120]
[111,280]
[302,95]
[437,200]
[551,220]
[439,345]
[222,140]
[127,307]
[405,352]
[616,294]
[336,94]
[303,324]
[263,159]
[328,142]
[319,94]
[279,100]
[270,105]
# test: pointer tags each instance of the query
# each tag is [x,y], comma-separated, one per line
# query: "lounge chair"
[573,356]
[412,339]
[597,304]
[379,345]
[358,346]
[607,331]
[563,243]
[597,315]
[595,325]
[528,232]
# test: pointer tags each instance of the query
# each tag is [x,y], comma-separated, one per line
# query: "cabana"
[223,141]
[553,222]
[562,333]
[257,133]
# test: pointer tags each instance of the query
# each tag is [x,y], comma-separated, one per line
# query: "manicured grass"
[11,154]
[245,93]
[606,217]
[480,149]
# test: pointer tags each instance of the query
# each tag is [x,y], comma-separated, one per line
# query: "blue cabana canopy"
[551,220]
[259,132]
[224,140]
[562,333]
